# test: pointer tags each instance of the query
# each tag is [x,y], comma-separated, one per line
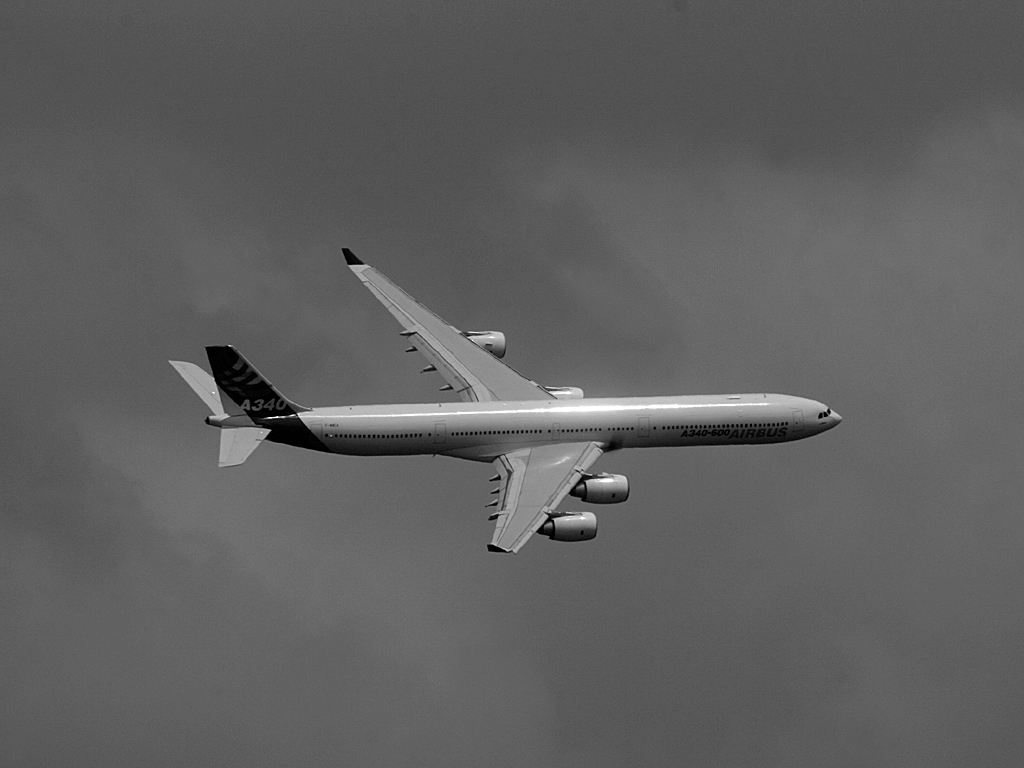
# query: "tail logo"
[244,385]
[261,404]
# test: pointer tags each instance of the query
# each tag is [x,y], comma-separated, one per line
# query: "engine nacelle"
[570,526]
[602,489]
[565,393]
[492,341]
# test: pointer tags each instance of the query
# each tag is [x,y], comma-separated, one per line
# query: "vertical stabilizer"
[242,386]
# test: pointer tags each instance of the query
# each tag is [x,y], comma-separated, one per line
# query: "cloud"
[823,201]
[133,624]
[852,584]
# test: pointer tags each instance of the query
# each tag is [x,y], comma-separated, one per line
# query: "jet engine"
[602,489]
[570,526]
[492,341]
[565,393]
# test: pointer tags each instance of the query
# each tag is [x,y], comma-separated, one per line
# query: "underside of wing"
[473,372]
[533,482]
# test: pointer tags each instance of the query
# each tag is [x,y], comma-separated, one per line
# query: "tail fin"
[236,444]
[236,394]
[243,388]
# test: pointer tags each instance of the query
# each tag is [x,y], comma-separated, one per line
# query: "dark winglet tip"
[492,548]
[350,258]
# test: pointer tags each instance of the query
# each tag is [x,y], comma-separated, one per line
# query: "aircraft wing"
[470,370]
[533,482]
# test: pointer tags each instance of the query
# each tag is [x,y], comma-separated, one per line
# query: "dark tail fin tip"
[350,258]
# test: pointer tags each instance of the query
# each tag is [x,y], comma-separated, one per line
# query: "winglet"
[350,258]
[493,548]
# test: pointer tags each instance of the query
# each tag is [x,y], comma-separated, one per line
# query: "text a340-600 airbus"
[542,440]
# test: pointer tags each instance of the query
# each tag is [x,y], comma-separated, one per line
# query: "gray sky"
[820,199]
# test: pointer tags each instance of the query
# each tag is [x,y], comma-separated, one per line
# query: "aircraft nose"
[837,417]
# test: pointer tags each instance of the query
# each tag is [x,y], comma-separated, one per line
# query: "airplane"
[543,440]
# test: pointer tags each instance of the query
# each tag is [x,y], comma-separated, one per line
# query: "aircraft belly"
[488,451]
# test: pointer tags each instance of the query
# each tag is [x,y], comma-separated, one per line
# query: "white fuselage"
[485,430]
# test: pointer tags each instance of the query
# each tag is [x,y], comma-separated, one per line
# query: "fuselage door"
[643,427]
[439,432]
[798,420]
[556,431]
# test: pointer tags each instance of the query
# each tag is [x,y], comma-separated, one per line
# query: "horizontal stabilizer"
[202,383]
[237,444]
